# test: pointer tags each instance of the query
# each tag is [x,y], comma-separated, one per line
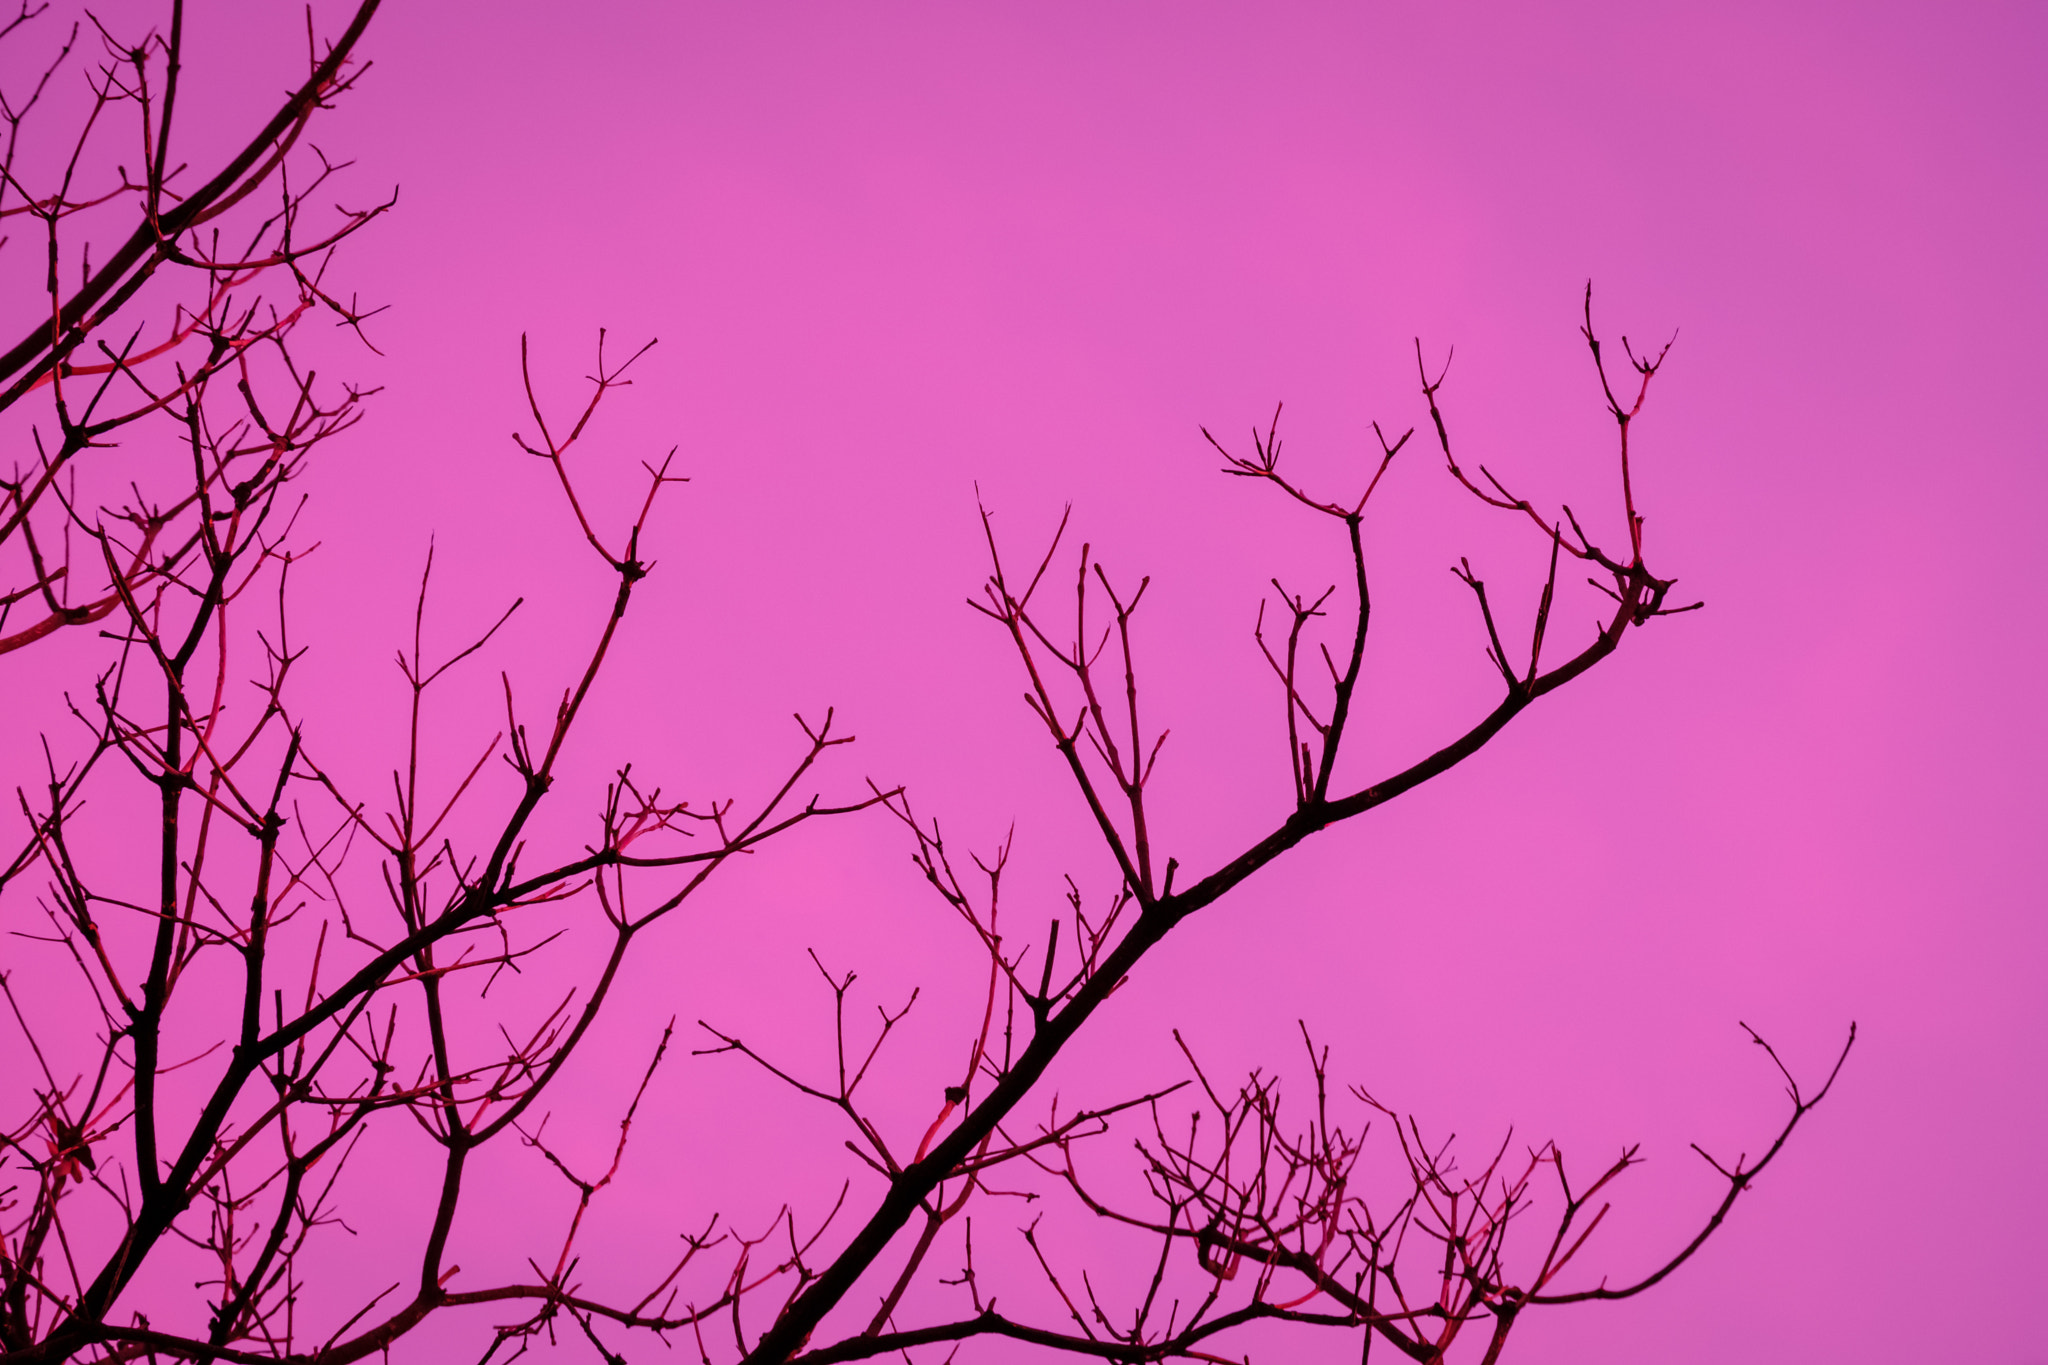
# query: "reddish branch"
[233,335]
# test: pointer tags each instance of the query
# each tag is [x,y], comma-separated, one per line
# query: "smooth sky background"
[893,250]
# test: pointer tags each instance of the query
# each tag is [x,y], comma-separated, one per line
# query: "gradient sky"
[893,250]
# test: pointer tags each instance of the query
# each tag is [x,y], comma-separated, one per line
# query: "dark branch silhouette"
[307,961]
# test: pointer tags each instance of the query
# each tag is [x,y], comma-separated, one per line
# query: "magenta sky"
[891,250]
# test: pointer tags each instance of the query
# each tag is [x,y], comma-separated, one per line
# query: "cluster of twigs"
[241,1011]
[185,325]
[1284,1215]
[288,963]
[340,1010]
[1284,1205]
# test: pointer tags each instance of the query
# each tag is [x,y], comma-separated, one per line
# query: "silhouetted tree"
[332,957]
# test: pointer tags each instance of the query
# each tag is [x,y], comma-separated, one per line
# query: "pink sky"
[891,251]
